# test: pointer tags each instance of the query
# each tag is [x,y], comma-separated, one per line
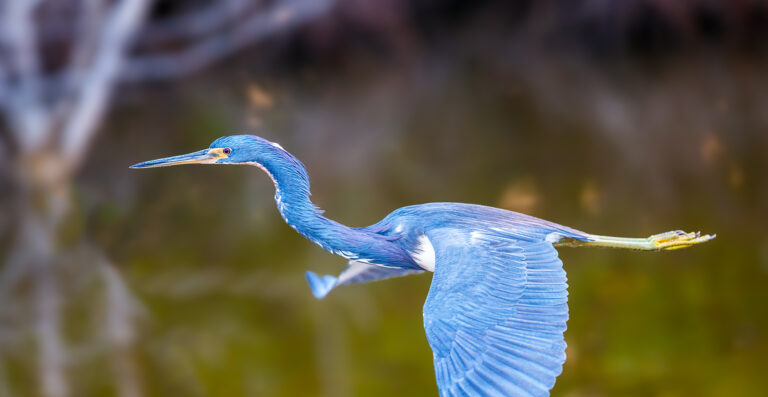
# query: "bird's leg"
[665,241]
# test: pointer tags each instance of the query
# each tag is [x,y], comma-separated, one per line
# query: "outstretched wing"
[355,272]
[495,314]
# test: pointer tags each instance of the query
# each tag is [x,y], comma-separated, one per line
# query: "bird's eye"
[227,150]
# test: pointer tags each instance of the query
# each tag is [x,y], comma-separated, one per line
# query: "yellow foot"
[678,239]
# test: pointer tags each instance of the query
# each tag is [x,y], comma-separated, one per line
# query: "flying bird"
[497,307]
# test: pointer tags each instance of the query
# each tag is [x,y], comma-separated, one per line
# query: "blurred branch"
[77,93]
[93,98]
[38,234]
[121,309]
[208,50]
[19,37]
[91,19]
[85,43]
[48,336]
[55,89]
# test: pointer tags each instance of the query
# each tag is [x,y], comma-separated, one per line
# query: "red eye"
[227,150]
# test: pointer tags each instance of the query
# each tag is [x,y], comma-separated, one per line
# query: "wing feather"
[495,315]
[355,272]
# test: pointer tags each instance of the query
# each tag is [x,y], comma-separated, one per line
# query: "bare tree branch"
[121,310]
[211,49]
[86,41]
[83,47]
[52,353]
[119,28]
[63,104]
[26,111]
[37,233]
[186,25]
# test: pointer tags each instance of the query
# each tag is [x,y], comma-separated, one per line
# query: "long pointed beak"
[207,156]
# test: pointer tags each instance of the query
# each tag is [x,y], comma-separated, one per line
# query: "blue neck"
[292,195]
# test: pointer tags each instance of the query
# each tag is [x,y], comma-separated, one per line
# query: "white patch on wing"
[553,237]
[277,145]
[424,255]
[399,228]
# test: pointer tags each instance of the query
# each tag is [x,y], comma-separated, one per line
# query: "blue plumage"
[497,307]
[355,272]
[320,285]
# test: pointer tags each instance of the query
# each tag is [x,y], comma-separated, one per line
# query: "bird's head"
[235,149]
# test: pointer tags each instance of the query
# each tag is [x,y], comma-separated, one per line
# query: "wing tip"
[320,285]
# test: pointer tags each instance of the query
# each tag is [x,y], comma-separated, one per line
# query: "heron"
[496,310]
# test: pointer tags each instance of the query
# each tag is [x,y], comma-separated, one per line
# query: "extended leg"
[665,241]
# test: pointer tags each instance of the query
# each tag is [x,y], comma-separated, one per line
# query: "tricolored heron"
[497,307]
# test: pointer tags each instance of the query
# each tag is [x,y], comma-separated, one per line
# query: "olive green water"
[611,149]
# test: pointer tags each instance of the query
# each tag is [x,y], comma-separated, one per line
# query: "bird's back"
[421,218]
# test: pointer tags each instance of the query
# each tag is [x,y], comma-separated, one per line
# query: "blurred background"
[624,118]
